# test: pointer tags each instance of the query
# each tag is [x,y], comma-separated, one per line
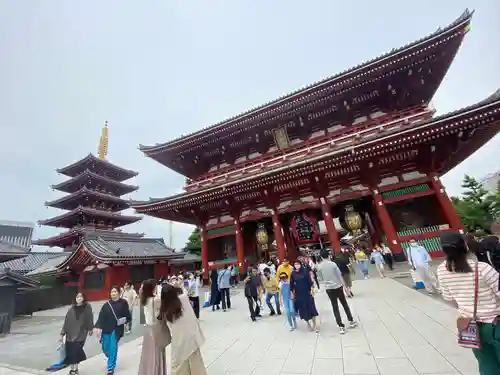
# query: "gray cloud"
[155,70]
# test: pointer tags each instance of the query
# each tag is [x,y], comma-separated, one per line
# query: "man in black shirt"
[253,290]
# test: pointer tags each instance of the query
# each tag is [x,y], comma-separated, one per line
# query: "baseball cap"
[452,239]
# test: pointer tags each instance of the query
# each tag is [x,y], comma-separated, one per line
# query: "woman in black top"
[110,325]
[78,324]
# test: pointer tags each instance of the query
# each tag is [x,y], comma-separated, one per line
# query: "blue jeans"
[289,308]
[270,295]
[109,344]
[363,265]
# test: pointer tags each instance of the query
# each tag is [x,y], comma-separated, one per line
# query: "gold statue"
[102,150]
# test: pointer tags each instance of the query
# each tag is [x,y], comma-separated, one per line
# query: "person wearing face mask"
[194,294]
[78,324]
[113,317]
[301,286]
[419,260]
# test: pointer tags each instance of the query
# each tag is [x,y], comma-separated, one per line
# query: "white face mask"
[413,244]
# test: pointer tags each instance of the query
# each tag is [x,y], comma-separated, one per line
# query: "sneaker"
[272,313]
[292,329]
[342,330]
[353,324]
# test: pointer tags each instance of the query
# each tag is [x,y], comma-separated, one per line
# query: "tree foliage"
[193,244]
[477,208]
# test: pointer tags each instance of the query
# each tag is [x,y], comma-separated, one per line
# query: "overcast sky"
[156,69]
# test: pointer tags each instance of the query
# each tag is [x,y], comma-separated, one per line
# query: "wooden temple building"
[97,253]
[363,149]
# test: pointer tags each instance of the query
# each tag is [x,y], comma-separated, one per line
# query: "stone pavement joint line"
[401,332]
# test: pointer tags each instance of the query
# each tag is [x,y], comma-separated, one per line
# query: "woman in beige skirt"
[185,332]
[153,356]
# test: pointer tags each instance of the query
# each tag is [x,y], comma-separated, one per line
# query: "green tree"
[494,203]
[193,244]
[476,207]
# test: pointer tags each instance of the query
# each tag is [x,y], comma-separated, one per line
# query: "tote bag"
[468,329]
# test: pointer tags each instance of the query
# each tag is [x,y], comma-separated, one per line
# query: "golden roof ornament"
[102,150]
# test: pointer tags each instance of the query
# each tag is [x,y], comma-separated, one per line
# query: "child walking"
[287,301]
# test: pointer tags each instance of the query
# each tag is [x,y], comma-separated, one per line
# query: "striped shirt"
[459,287]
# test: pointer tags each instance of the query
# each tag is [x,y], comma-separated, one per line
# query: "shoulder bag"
[161,333]
[468,328]
[119,321]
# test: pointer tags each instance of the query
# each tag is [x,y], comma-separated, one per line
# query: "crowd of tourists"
[170,307]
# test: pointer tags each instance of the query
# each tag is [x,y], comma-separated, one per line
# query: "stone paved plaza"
[401,332]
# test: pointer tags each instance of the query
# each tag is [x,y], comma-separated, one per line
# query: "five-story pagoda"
[97,254]
[94,201]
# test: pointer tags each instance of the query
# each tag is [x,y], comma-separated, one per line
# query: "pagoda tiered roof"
[94,181]
[437,144]
[88,197]
[99,166]
[86,215]
[404,77]
[94,203]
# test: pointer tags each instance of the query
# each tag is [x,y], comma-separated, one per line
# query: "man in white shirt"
[419,259]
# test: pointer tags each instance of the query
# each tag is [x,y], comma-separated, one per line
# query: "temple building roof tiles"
[16,233]
[345,77]
[18,279]
[30,262]
[9,251]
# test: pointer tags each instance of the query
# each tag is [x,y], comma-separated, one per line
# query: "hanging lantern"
[262,236]
[353,219]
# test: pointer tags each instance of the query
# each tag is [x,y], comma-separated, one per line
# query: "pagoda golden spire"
[102,151]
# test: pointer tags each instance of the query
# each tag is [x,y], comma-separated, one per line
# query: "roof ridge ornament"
[102,150]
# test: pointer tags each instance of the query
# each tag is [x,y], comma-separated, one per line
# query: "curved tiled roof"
[89,192]
[30,262]
[73,169]
[16,233]
[494,98]
[90,212]
[50,265]
[124,188]
[282,100]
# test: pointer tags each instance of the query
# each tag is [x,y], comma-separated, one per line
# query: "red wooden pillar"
[278,236]
[445,203]
[386,221]
[240,247]
[333,235]
[204,253]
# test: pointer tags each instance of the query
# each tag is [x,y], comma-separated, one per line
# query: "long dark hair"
[171,305]
[148,288]
[456,256]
